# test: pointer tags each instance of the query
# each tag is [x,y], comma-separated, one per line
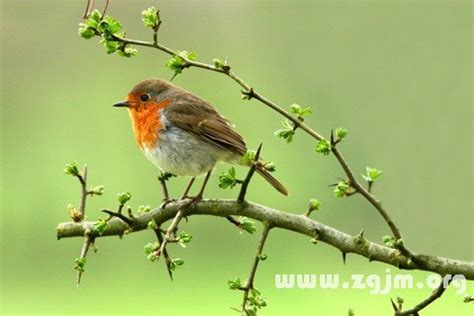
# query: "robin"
[184,135]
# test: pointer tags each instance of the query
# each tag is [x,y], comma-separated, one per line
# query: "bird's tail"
[271,179]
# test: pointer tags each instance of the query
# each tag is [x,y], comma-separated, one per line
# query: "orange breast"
[146,123]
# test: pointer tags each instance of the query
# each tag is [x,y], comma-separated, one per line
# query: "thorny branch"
[430,299]
[288,221]
[249,286]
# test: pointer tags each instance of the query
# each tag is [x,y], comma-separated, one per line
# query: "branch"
[433,297]
[278,219]
[249,286]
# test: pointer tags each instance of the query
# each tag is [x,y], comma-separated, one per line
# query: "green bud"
[227,179]
[80,264]
[143,209]
[235,284]
[314,205]
[72,169]
[86,31]
[97,190]
[152,225]
[184,238]
[389,241]
[123,197]
[247,225]
[110,25]
[341,189]
[263,256]
[151,247]
[248,157]
[323,147]
[371,174]
[219,63]
[150,17]
[127,51]
[341,133]
[100,226]
[176,263]
[299,111]
[287,132]
[270,166]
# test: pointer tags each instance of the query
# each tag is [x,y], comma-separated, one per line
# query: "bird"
[184,135]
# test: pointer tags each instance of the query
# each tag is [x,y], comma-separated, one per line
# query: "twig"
[83,180]
[246,181]
[174,225]
[105,7]
[159,236]
[85,248]
[253,270]
[430,299]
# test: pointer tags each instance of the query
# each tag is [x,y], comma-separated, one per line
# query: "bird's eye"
[145,97]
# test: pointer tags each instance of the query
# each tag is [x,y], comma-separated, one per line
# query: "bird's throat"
[146,123]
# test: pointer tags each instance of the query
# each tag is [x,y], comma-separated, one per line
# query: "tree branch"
[278,219]
[430,299]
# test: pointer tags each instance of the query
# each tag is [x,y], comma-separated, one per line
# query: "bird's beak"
[122,104]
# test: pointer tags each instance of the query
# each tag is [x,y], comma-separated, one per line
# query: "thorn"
[257,154]
[395,308]
[175,74]
[344,254]
[127,220]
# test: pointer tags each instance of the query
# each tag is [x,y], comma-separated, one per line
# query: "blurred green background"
[397,74]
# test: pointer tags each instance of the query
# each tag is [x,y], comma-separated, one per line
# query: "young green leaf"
[371,174]
[227,179]
[72,169]
[248,157]
[287,132]
[184,238]
[142,209]
[80,264]
[341,133]
[314,205]
[100,226]
[389,241]
[86,31]
[247,225]
[270,166]
[127,51]
[150,17]
[151,225]
[177,63]
[124,197]
[176,263]
[323,147]
[235,284]
[299,111]
[341,189]
[97,190]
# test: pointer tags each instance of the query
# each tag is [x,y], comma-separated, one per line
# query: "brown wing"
[199,117]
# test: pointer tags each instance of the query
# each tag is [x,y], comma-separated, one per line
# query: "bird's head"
[151,93]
